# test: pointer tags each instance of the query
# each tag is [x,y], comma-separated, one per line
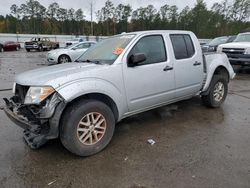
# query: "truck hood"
[59,75]
[236,45]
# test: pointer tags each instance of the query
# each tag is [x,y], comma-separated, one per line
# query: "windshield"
[243,38]
[218,41]
[107,50]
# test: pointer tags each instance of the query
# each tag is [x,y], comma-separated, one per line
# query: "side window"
[190,45]
[86,45]
[83,45]
[153,47]
[182,45]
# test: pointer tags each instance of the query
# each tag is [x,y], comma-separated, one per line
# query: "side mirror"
[73,48]
[135,59]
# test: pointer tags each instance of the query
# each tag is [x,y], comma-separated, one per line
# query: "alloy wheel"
[91,128]
[219,91]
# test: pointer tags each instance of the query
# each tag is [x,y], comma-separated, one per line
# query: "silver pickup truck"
[121,76]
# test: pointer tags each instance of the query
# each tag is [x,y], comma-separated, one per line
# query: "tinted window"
[183,46]
[153,47]
[190,45]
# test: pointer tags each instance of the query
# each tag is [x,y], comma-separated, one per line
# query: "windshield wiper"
[89,61]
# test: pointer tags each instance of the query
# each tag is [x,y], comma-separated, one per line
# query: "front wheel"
[217,92]
[40,48]
[63,59]
[87,127]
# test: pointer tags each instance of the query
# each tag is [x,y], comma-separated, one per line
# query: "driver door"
[151,82]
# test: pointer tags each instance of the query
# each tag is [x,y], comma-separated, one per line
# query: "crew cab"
[238,51]
[40,44]
[118,77]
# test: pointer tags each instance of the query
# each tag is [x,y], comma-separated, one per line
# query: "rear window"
[183,46]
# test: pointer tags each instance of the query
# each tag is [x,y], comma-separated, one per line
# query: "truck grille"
[30,43]
[233,50]
[21,92]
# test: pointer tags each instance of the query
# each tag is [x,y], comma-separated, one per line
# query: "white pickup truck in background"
[118,77]
[238,51]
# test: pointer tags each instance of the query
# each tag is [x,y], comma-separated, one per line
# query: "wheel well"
[222,71]
[64,55]
[100,97]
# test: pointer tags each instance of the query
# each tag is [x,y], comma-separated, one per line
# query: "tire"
[17,48]
[40,48]
[217,92]
[28,50]
[63,59]
[71,133]
[1,49]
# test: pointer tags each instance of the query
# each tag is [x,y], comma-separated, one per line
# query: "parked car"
[40,44]
[68,54]
[10,46]
[213,44]
[74,41]
[118,77]
[238,51]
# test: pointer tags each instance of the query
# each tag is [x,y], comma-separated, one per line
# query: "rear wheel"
[28,50]
[17,48]
[64,59]
[217,92]
[1,49]
[87,127]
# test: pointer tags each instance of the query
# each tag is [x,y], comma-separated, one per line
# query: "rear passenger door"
[188,66]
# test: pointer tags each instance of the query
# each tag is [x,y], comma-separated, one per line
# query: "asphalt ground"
[195,146]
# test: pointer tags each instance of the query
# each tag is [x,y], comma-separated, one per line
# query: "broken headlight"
[35,95]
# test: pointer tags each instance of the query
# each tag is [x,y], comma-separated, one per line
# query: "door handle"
[168,68]
[197,63]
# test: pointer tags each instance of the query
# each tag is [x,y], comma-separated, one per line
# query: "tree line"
[224,18]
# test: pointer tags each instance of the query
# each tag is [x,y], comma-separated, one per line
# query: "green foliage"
[224,18]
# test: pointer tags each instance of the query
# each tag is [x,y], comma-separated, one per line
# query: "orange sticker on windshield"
[118,51]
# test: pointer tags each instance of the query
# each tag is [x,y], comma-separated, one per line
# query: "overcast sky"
[85,4]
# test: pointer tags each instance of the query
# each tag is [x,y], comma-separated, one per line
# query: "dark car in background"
[9,46]
[1,47]
[40,44]
[213,44]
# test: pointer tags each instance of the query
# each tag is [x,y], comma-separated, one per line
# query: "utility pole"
[91,15]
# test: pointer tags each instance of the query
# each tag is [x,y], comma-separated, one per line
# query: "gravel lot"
[195,146]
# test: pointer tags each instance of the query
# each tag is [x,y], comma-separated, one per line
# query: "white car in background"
[68,54]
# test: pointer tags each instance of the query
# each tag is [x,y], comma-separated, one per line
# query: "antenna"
[91,15]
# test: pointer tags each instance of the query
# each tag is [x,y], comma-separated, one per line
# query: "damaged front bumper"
[40,122]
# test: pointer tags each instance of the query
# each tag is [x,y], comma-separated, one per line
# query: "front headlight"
[247,51]
[35,95]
